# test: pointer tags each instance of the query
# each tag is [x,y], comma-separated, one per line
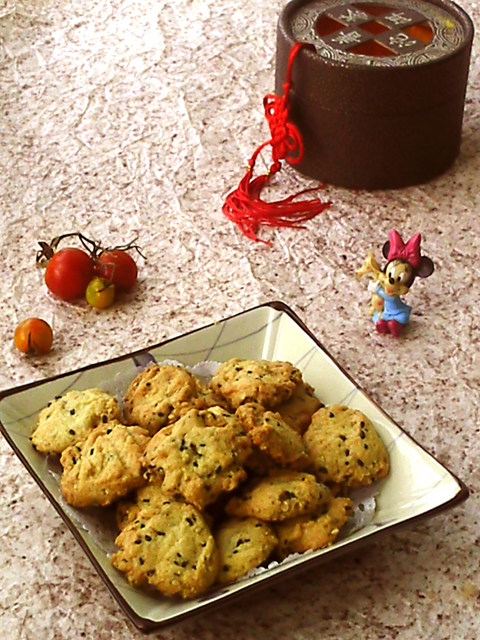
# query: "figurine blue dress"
[393,308]
[404,263]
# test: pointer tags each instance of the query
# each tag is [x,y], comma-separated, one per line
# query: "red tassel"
[244,205]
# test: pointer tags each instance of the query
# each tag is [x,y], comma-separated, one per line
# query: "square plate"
[417,486]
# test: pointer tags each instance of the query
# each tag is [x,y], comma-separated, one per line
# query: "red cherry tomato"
[68,273]
[118,267]
[33,336]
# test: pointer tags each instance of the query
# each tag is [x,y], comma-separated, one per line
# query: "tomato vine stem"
[94,249]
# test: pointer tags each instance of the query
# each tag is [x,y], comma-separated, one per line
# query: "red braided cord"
[244,205]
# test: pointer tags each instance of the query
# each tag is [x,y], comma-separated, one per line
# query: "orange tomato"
[33,336]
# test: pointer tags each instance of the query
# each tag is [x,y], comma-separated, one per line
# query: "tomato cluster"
[94,273]
[97,274]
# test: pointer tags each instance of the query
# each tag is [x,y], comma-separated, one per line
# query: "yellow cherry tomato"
[100,293]
[33,336]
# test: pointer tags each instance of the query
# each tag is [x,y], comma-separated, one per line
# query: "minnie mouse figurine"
[404,263]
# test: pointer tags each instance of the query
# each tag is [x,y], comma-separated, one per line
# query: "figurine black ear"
[425,268]
[386,249]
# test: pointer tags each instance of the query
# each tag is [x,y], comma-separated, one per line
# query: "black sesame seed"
[148,538]
[360,463]
[242,541]
[332,415]
[72,412]
[71,432]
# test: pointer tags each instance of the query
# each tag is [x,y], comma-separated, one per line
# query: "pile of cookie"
[210,481]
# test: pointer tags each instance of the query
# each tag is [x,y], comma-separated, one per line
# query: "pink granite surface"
[122,118]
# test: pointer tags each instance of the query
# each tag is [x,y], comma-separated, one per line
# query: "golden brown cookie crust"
[200,456]
[105,467]
[345,448]
[147,497]
[262,381]
[282,494]
[70,418]
[273,436]
[243,544]
[160,395]
[298,410]
[314,531]
[170,547]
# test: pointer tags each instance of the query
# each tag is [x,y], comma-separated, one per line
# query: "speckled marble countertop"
[122,118]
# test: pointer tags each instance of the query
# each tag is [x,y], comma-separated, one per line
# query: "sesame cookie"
[105,466]
[160,394]
[268,383]
[314,531]
[243,544]
[199,456]
[171,548]
[71,417]
[272,435]
[345,448]
[280,495]
[147,497]
[298,410]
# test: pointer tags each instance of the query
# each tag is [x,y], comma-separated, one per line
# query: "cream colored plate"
[417,486]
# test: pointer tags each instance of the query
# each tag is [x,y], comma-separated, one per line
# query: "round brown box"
[378,96]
